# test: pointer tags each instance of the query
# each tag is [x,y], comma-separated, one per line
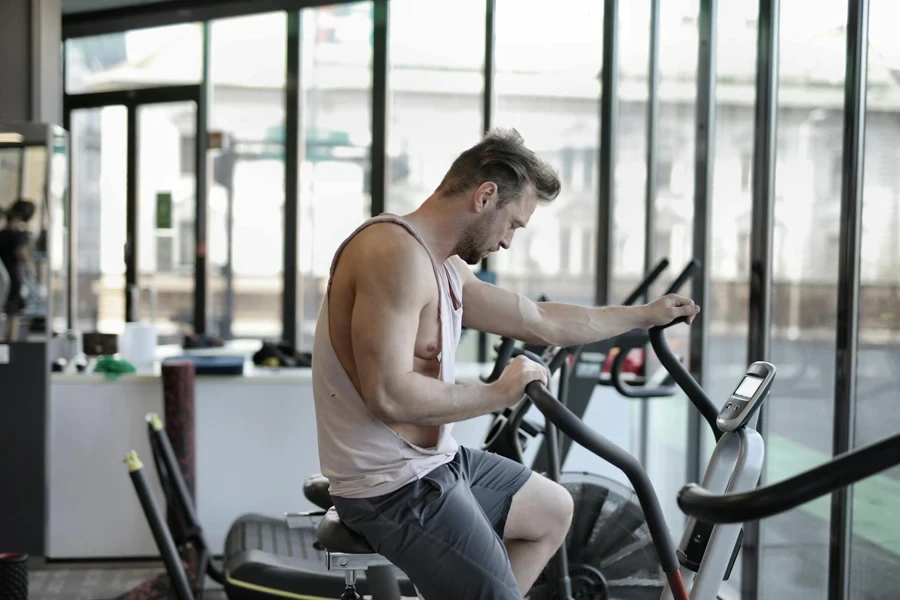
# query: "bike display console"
[747,397]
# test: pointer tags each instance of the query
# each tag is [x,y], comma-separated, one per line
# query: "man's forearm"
[422,400]
[570,325]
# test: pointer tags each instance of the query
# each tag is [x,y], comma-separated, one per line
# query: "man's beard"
[472,241]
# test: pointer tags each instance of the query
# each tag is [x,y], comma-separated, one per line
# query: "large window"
[166,208]
[876,501]
[152,57]
[801,411]
[335,195]
[246,199]
[436,82]
[729,260]
[550,93]
[674,210]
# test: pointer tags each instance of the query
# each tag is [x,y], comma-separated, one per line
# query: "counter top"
[465,373]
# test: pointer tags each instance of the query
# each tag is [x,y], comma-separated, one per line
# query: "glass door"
[99,140]
[166,193]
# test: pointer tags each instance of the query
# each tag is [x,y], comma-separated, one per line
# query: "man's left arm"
[496,310]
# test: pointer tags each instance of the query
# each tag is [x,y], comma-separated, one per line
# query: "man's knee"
[561,507]
[542,509]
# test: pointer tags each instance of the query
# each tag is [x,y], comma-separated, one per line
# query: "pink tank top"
[360,455]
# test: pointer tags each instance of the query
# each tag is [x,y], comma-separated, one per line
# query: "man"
[461,523]
[15,255]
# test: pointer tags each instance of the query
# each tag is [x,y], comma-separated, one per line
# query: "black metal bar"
[378,150]
[608,117]
[647,282]
[201,260]
[149,95]
[760,303]
[487,120]
[652,149]
[164,542]
[132,230]
[584,436]
[71,224]
[559,566]
[292,162]
[703,184]
[776,498]
[170,12]
[847,339]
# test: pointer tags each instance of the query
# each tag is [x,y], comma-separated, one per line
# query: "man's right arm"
[393,280]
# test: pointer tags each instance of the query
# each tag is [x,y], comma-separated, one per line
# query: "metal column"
[487,116]
[704,154]
[378,150]
[290,307]
[132,296]
[650,188]
[847,339]
[760,304]
[608,116]
[201,260]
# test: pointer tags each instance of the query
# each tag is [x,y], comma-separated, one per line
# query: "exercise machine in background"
[609,547]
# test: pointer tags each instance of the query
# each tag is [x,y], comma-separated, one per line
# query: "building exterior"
[549,92]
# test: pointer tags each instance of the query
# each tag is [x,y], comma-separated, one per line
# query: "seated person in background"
[16,257]
[460,522]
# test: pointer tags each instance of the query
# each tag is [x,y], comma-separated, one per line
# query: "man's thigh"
[521,504]
[495,481]
[435,531]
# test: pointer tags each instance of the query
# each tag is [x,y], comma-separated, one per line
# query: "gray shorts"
[445,531]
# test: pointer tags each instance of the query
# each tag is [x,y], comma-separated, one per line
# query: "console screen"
[748,386]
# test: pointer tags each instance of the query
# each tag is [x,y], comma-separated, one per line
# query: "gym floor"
[97,581]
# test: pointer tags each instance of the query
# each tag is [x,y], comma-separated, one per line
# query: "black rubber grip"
[780,497]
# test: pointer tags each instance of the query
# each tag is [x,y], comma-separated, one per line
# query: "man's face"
[495,226]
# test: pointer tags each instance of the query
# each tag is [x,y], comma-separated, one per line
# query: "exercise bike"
[707,551]
[262,558]
[609,542]
[350,553]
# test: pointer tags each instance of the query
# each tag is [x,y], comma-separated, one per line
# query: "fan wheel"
[610,552]
[587,583]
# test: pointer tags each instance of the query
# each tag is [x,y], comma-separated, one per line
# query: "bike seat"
[315,488]
[334,536]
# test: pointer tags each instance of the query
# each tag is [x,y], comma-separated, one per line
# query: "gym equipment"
[702,502]
[609,541]
[262,558]
[598,501]
[255,564]
[707,551]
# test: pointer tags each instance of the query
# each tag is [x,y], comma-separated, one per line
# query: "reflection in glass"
[58,238]
[33,253]
[246,201]
[875,550]
[436,85]
[150,57]
[166,207]
[336,75]
[98,143]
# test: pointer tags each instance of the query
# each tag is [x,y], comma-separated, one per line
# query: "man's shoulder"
[388,246]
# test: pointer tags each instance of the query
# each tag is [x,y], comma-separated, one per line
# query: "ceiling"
[81,6]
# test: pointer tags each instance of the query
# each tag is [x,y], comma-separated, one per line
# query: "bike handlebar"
[789,493]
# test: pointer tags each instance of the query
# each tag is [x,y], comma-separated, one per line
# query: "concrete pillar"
[31,85]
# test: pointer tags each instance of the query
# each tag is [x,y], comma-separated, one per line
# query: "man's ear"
[485,195]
